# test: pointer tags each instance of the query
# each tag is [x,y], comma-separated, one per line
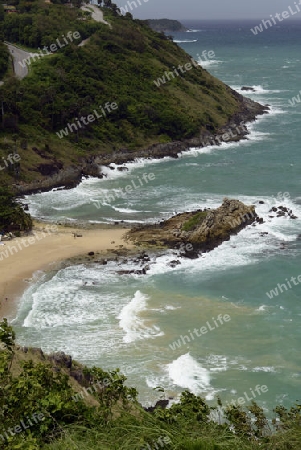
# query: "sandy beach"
[48,244]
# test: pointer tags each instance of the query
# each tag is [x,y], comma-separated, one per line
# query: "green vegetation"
[4,58]
[166,25]
[43,407]
[117,64]
[37,24]
[194,221]
[12,215]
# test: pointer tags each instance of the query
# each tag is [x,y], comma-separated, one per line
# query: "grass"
[194,221]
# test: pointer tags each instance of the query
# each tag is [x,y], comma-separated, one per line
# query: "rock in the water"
[174,263]
[203,230]
[248,88]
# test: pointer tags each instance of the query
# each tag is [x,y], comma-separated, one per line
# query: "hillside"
[52,402]
[45,115]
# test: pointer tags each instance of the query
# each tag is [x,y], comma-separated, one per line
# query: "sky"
[208,9]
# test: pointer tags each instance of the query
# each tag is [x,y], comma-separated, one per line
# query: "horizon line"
[220,20]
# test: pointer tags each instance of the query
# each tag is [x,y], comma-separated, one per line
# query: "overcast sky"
[208,9]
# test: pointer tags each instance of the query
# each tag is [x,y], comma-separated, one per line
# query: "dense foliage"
[37,23]
[3,57]
[118,64]
[39,409]
[12,215]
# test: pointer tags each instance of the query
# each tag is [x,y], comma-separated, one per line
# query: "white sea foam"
[125,210]
[133,324]
[130,166]
[209,62]
[254,135]
[177,41]
[262,308]
[264,369]
[187,373]
[251,240]
[217,363]
[258,90]
[63,301]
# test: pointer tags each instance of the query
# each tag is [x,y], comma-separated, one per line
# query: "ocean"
[145,325]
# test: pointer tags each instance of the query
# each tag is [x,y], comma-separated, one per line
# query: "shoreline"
[71,176]
[45,250]
[60,245]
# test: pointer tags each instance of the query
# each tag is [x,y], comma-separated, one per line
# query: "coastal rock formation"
[248,88]
[197,231]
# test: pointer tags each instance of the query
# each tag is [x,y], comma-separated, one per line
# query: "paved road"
[84,42]
[97,13]
[18,55]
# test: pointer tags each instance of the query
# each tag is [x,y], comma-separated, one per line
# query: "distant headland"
[166,25]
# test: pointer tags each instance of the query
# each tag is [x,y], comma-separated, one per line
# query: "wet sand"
[21,257]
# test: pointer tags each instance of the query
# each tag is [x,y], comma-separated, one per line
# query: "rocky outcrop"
[220,223]
[60,359]
[248,88]
[197,231]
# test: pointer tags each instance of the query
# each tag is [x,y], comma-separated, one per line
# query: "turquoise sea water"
[131,321]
